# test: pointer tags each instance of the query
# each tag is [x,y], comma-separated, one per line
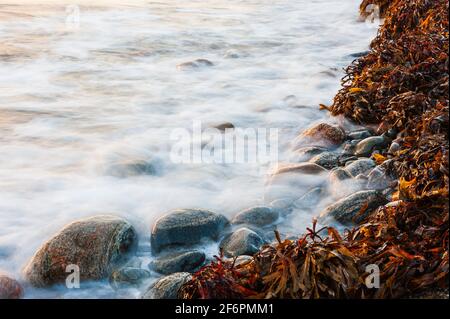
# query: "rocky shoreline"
[372,185]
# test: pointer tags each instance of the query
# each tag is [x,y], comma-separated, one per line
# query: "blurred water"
[75,99]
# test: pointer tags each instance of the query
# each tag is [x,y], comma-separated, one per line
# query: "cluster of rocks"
[183,229]
[104,246]
[355,181]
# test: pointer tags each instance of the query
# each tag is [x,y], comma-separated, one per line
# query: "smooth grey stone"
[354,208]
[327,160]
[185,227]
[258,216]
[360,166]
[224,126]
[339,174]
[243,241]
[301,168]
[167,287]
[198,63]
[187,261]
[340,183]
[310,199]
[128,277]
[359,135]
[306,153]
[347,159]
[394,148]
[367,145]
[129,168]
[382,176]
[349,147]
[282,205]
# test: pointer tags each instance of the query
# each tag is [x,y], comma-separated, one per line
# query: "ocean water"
[86,86]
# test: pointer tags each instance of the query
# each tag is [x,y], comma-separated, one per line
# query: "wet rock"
[381,176]
[282,205]
[360,166]
[304,154]
[97,245]
[340,182]
[231,54]
[359,54]
[184,227]
[198,63]
[367,145]
[326,159]
[9,287]
[337,175]
[128,277]
[127,168]
[347,159]
[359,135]
[242,260]
[394,148]
[302,168]
[361,178]
[224,126]
[349,147]
[326,134]
[243,241]
[187,261]
[310,199]
[392,133]
[354,208]
[258,216]
[167,287]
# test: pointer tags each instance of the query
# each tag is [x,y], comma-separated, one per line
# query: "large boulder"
[186,261]
[243,241]
[323,134]
[9,287]
[354,208]
[167,287]
[185,227]
[97,245]
[258,216]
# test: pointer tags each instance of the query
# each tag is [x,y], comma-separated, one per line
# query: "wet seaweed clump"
[401,86]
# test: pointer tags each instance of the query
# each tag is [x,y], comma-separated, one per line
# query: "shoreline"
[407,239]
